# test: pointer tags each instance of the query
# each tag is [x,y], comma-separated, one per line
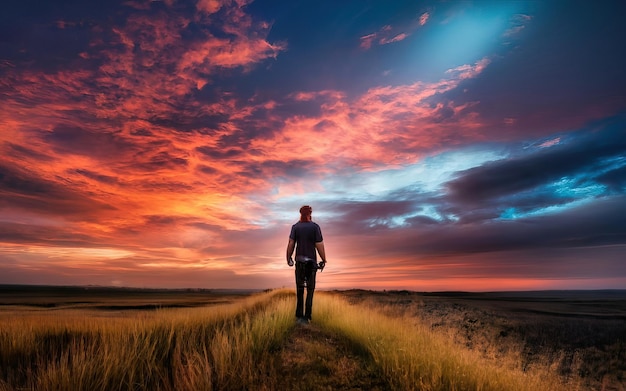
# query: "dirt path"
[313,359]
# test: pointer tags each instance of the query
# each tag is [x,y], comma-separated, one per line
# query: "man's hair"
[305,212]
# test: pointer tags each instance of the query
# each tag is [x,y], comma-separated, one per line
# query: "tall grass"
[233,347]
[221,347]
[412,357]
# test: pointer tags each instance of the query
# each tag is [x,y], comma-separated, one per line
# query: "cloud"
[384,125]
[21,152]
[613,179]
[584,151]
[550,143]
[390,34]
[209,6]
[424,241]
[80,141]
[396,38]
[585,226]
[167,137]
[26,190]
[518,23]
[112,124]
[107,179]
[367,40]
[226,53]
[467,71]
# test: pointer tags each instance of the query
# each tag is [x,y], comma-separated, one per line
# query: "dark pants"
[305,277]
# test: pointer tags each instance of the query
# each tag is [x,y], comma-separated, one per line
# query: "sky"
[443,145]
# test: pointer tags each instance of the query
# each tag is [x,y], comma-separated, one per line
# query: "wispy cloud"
[518,23]
[389,34]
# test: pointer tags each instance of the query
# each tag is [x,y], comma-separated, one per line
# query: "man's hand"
[290,261]
[321,265]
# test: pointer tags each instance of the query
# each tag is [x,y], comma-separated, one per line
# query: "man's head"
[305,213]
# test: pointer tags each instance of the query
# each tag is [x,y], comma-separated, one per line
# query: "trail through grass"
[314,359]
[253,344]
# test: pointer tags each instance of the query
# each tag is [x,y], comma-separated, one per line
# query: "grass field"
[121,339]
[578,335]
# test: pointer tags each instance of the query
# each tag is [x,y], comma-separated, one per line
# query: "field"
[125,339]
[579,335]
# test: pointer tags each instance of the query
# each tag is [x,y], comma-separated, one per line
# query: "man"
[306,238]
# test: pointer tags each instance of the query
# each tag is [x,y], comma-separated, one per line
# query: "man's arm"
[320,249]
[290,247]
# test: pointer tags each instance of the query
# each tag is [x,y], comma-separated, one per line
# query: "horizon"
[447,292]
[443,145]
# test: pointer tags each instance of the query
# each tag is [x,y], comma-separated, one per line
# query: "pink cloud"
[383,36]
[550,143]
[228,54]
[214,6]
[397,38]
[312,95]
[209,6]
[470,71]
[389,34]
[366,41]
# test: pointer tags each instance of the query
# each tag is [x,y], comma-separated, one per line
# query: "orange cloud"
[119,167]
[365,132]
[108,131]
[228,54]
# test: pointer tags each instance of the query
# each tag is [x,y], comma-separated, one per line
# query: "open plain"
[578,334]
[576,337]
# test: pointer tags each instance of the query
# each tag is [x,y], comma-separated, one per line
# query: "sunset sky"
[443,145]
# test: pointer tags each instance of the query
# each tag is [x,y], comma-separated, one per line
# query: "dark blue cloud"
[595,224]
[581,154]
[614,180]
[558,197]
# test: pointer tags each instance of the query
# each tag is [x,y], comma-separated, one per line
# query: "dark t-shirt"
[306,234]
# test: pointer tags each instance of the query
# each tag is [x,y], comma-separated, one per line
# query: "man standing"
[306,238]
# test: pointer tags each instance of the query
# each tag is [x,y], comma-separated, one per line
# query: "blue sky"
[443,145]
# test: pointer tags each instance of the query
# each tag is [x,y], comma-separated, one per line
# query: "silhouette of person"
[306,238]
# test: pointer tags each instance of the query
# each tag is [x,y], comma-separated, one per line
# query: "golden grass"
[192,349]
[234,347]
[412,357]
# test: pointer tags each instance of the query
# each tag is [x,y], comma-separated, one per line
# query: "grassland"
[578,335]
[101,339]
